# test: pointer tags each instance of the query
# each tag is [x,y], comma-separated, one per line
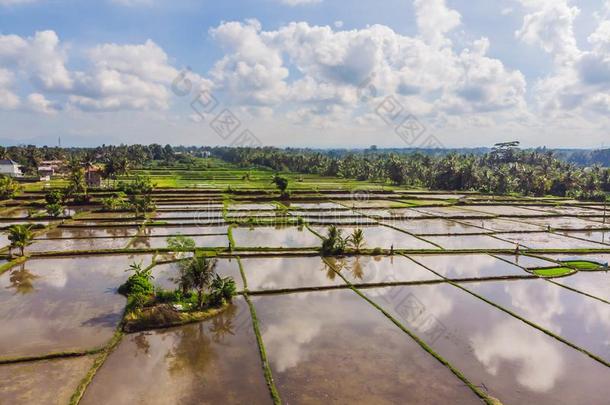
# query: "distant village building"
[45,172]
[93,177]
[56,165]
[10,168]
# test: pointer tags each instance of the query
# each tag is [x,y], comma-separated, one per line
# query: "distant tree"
[333,243]
[356,239]
[198,274]
[8,187]
[282,185]
[20,236]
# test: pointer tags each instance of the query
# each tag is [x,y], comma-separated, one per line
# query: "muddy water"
[212,362]
[165,273]
[470,242]
[273,273]
[452,212]
[158,242]
[593,236]
[184,230]
[468,266]
[112,232]
[381,269]
[546,240]
[503,225]
[554,308]
[565,223]
[595,283]
[527,262]
[436,226]
[513,361]
[506,210]
[285,237]
[58,245]
[333,347]
[42,382]
[52,305]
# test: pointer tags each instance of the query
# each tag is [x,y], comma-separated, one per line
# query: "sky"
[305,73]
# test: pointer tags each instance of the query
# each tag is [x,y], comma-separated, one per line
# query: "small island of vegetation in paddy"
[200,294]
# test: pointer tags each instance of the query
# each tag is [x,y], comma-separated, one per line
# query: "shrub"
[55,197]
[333,243]
[223,289]
[55,209]
[138,283]
[8,187]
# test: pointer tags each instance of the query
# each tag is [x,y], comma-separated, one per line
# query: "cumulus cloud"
[435,19]
[38,103]
[329,65]
[579,84]
[40,57]
[8,99]
[116,77]
[550,24]
[124,77]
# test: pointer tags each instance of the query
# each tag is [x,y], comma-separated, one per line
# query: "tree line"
[503,170]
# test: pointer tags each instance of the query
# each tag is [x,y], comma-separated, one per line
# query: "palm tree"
[20,236]
[198,274]
[356,239]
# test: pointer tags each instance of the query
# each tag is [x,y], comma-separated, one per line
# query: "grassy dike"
[519,317]
[477,391]
[97,363]
[275,396]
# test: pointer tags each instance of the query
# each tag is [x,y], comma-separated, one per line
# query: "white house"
[10,168]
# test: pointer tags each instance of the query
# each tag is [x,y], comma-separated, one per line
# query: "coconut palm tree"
[20,236]
[356,239]
[198,274]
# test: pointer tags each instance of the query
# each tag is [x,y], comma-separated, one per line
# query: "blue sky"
[462,73]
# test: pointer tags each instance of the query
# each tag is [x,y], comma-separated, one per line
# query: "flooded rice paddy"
[369,326]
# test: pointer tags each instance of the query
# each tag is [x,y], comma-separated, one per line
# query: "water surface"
[333,347]
[211,362]
[42,382]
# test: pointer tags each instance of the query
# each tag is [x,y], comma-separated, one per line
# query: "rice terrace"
[205,280]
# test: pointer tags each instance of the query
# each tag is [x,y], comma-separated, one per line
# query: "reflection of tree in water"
[119,231]
[22,280]
[222,325]
[141,242]
[192,353]
[339,264]
[356,269]
[142,343]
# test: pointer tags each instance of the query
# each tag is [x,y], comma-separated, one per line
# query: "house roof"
[7,162]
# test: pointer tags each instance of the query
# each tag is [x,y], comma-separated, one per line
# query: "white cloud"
[116,77]
[579,85]
[329,65]
[40,57]
[38,103]
[550,25]
[8,99]
[124,77]
[434,20]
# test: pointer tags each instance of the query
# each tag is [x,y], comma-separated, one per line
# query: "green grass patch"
[557,271]
[583,265]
